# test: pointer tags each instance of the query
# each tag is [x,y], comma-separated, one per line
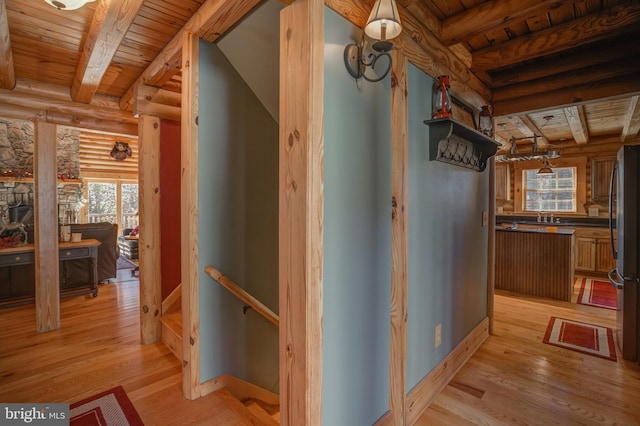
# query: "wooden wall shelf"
[455,143]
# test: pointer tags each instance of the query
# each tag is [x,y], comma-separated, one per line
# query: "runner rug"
[597,293]
[109,408]
[581,337]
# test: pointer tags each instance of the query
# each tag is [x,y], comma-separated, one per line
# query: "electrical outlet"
[438,335]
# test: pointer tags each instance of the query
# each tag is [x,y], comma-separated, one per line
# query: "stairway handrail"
[242,294]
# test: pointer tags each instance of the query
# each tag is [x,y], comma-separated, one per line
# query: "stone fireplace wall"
[16,168]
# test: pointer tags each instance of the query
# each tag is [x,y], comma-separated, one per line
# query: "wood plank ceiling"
[568,71]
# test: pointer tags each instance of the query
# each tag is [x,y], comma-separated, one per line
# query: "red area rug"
[109,408]
[581,337]
[597,293]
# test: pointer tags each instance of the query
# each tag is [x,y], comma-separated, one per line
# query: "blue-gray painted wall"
[357,239]
[238,201]
[237,223]
[447,243]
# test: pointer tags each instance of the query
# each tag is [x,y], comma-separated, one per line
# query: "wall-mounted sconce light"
[68,4]
[383,24]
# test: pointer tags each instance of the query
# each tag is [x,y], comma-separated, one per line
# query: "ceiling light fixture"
[68,4]
[534,154]
[383,24]
[545,169]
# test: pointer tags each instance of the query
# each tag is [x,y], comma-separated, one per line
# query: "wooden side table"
[25,254]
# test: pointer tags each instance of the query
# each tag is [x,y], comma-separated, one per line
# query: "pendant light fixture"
[545,169]
[68,4]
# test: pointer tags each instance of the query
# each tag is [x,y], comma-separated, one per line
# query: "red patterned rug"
[109,408]
[581,337]
[597,293]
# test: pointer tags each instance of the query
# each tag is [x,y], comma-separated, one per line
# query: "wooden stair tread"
[172,332]
[243,412]
[173,320]
[268,408]
[261,413]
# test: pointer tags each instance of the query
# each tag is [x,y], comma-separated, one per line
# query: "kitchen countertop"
[598,222]
[545,229]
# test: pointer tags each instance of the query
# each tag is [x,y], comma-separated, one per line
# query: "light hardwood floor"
[96,348]
[513,379]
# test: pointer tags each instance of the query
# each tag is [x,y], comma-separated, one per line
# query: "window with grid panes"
[553,192]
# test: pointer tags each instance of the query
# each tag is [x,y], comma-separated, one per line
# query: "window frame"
[540,179]
[580,163]
[84,212]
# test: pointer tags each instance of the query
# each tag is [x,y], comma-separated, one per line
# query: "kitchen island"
[537,261]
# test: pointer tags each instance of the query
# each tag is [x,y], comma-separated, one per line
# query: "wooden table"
[84,249]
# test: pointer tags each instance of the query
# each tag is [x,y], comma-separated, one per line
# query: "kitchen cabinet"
[604,257]
[503,192]
[601,169]
[593,250]
[585,254]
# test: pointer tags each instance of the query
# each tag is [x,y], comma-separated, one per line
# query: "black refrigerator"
[626,249]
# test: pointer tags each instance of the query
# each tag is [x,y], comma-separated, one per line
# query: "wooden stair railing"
[242,294]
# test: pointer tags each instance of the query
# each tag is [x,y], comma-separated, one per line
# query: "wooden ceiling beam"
[518,123]
[110,24]
[593,74]
[213,19]
[52,104]
[612,52]
[35,99]
[157,102]
[72,120]
[596,146]
[612,22]
[577,123]
[580,94]
[54,91]
[632,120]
[423,14]
[491,16]
[542,141]
[7,70]
[525,126]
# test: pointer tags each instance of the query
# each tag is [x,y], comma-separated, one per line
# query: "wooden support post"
[46,229]
[399,237]
[191,388]
[149,214]
[491,259]
[301,165]
[7,70]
